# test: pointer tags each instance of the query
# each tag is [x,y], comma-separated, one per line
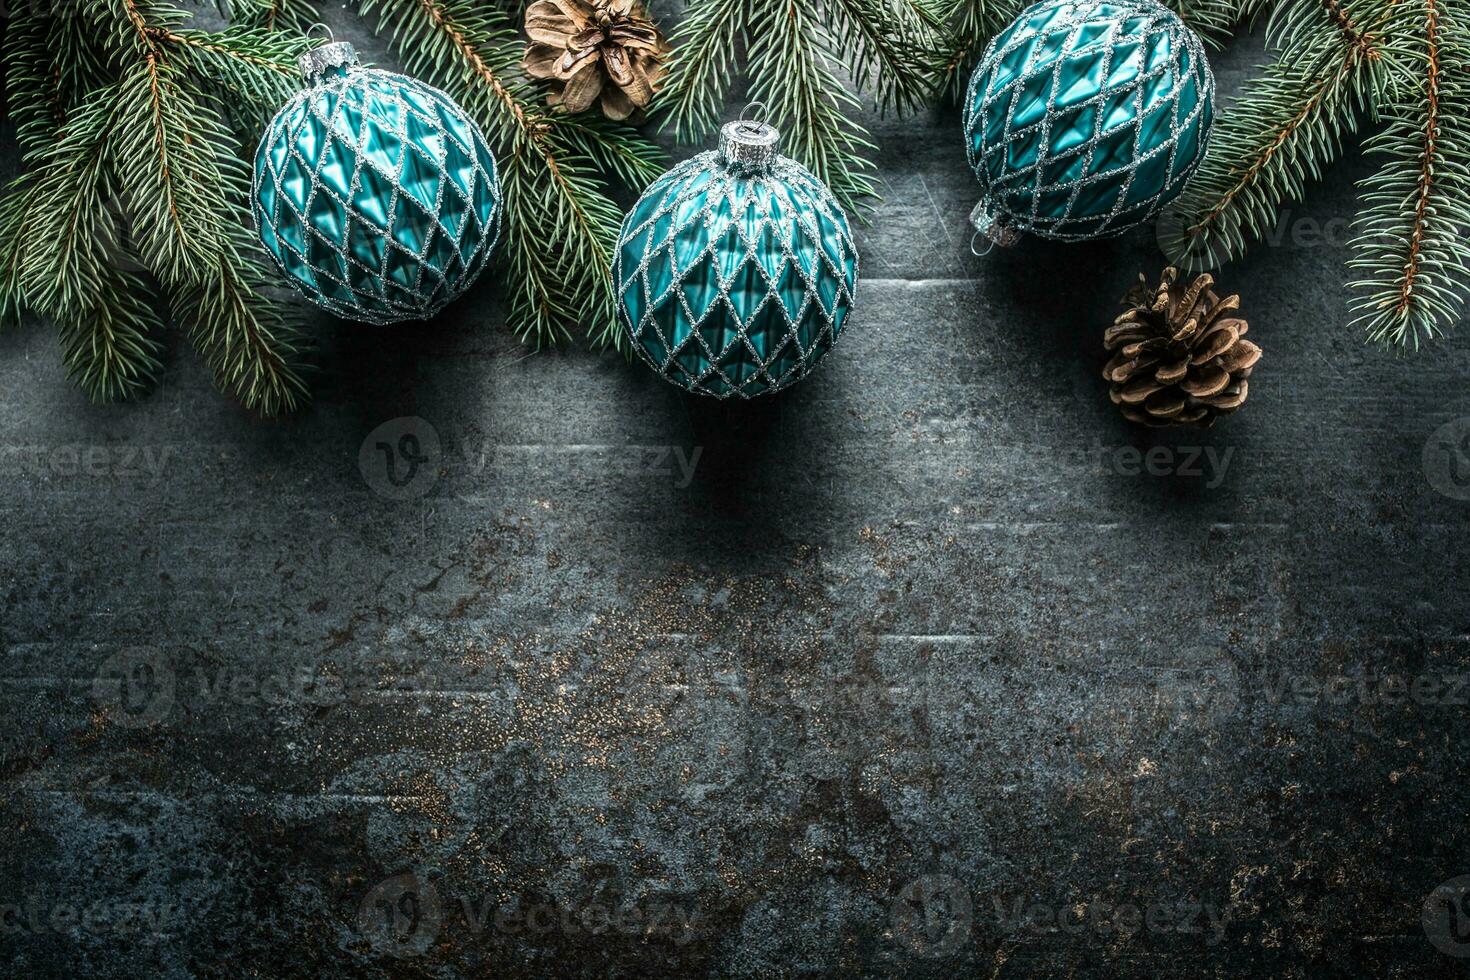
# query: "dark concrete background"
[921,671]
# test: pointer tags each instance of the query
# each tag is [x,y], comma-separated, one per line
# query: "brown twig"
[1251,173]
[1426,162]
[153,58]
[185,40]
[1366,42]
[1361,46]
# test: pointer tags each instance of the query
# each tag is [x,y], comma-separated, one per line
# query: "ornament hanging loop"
[745,115]
[326,29]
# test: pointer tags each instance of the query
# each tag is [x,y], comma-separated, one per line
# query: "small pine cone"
[1179,353]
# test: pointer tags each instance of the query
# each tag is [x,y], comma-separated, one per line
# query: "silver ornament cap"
[323,58]
[988,226]
[748,145]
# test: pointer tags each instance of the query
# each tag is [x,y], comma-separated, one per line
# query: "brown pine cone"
[1179,357]
[603,51]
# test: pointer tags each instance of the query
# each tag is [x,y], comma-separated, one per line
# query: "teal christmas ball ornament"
[1084,118]
[735,271]
[374,193]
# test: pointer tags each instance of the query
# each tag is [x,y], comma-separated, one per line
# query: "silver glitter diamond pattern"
[733,283]
[1073,28]
[376,196]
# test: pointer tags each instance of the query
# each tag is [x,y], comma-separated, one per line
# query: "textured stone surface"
[924,634]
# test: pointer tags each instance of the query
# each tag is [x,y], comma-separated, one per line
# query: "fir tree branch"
[36,97]
[17,213]
[1343,18]
[59,254]
[1282,132]
[1213,20]
[255,62]
[1413,233]
[615,148]
[894,48]
[63,266]
[249,343]
[796,57]
[171,174]
[703,61]
[245,74]
[792,55]
[190,221]
[290,16]
[106,337]
[140,185]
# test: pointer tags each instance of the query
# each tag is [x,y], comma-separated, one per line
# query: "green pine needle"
[1214,20]
[793,55]
[292,17]
[1285,128]
[797,57]
[895,49]
[107,337]
[1413,233]
[134,197]
[701,66]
